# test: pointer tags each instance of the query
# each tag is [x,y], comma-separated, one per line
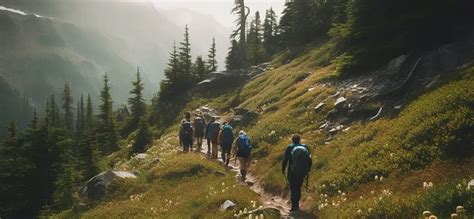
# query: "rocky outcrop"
[95,188]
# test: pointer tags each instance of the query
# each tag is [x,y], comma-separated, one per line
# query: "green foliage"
[137,105]
[106,133]
[67,102]
[211,58]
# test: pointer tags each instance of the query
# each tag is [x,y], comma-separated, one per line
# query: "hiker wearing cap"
[199,126]
[208,135]
[243,149]
[186,133]
[214,131]
[298,159]
[226,138]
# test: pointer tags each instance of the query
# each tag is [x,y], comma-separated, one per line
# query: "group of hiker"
[218,136]
[296,163]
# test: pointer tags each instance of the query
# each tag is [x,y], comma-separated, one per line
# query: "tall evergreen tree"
[88,120]
[185,56]
[67,108]
[173,67]
[255,40]
[239,33]
[211,57]
[270,28]
[107,134]
[199,69]
[136,103]
[232,61]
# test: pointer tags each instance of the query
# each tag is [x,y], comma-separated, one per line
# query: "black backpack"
[301,160]
[199,125]
[186,130]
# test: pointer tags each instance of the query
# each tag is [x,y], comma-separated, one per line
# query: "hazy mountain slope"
[13,107]
[39,55]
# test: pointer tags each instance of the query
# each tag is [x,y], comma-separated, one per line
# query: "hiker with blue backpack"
[226,138]
[243,149]
[298,159]
[186,133]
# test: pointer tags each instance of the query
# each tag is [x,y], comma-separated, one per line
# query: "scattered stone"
[311,89]
[228,204]
[335,95]
[155,160]
[249,183]
[324,126]
[238,118]
[336,129]
[433,81]
[319,107]
[141,156]
[398,107]
[340,101]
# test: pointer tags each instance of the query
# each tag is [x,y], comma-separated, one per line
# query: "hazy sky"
[220,9]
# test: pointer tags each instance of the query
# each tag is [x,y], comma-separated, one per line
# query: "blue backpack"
[227,135]
[301,160]
[244,147]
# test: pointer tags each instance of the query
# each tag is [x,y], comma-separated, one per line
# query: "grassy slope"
[181,186]
[429,140]
[415,146]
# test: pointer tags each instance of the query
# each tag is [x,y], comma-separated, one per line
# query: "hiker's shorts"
[244,162]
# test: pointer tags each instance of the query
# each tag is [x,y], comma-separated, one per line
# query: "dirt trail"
[270,201]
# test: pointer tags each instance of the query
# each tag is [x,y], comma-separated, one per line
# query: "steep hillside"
[393,143]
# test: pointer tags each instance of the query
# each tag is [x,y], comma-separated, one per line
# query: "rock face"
[95,188]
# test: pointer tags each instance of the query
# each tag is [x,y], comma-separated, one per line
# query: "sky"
[220,9]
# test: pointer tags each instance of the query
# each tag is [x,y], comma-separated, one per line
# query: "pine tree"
[107,134]
[67,108]
[255,40]
[15,167]
[211,57]
[232,61]
[136,103]
[52,113]
[88,121]
[270,27]
[242,13]
[185,57]
[34,122]
[199,69]
[66,176]
[172,70]
[80,116]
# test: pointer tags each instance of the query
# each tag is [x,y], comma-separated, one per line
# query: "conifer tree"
[67,107]
[270,27]
[211,57]
[172,69]
[136,103]
[199,69]
[185,56]
[88,121]
[255,40]
[80,116]
[232,61]
[107,134]
[66,175]
[242,13]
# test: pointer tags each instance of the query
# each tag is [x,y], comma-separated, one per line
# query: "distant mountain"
[77,41]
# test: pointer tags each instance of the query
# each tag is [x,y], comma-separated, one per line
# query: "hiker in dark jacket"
[226,138]
[243,149]
[208,135]
[214,131]
[186,133]
[298,159]
[199,128]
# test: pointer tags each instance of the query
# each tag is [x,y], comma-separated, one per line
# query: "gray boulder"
[95,188]
[227,205]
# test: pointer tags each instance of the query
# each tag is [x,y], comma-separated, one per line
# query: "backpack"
[227,135]
[300,160]
[186,130]
[214,130]
[199,125]
[244,147]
